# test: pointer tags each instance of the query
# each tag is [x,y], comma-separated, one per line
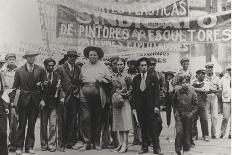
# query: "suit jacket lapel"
[147,81]
[139,81]
[67,70]
[29,76]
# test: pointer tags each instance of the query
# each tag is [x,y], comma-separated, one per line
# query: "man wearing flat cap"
[69,74]
[213,85]
[145,104]
[183,71]
[8,73]
[28,79]
[201,90]
[159,75]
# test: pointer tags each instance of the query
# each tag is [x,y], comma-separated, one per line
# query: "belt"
[89,84]
[27,91]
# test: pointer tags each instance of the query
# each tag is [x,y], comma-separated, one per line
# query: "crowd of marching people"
[96,104]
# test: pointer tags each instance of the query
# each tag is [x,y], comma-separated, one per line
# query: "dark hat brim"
[143,59]
[170,73]
[184,60]
[26,55]
[93,48]
[200,71]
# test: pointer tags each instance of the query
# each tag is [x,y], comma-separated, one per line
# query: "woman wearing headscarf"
[122,119]
[94,94]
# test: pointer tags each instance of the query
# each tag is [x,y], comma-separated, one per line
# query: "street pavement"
[213,147]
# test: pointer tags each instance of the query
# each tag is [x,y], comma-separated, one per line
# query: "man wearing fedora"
[69,74]
[28,79]
[8,73]
[145,104]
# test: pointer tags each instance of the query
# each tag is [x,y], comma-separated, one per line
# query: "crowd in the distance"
[94,105]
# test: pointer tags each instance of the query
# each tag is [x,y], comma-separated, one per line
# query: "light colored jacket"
[226,88]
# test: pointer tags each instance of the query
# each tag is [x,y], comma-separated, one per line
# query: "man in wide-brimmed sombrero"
[95,78]
[28,79]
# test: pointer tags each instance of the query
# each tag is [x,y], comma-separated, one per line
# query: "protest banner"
[102,29]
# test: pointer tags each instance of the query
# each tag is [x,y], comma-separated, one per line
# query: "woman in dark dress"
[3,123]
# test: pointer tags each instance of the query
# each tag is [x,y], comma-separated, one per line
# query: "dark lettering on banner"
[100,30]
[176,8]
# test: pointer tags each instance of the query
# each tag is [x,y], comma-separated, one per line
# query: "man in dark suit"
[145,104]
[69,74]
[3,122]
[28,79]
[49,107]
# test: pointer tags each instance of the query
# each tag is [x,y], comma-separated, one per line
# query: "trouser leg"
[187,126]
[204,121]
[43,128]
[60,111]
[52,128]
[106,126]
[70,123]
[32,117]
[137,131]
[144,131]
[213,103]
[226,117]
[3,132]
[179,133]
[96,121]
[22,114]
[85,120]
[13,125]
[194,124]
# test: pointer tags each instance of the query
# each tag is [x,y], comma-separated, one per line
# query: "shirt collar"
[69,66]
[145,74]
[29,65]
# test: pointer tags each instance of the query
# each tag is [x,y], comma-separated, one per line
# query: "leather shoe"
[143,151]
[18,152]
[12,149]
[97,148]
[157,151]
[85,147]
[178,152]
[30,151]
[52,150]
[44,149]
[61,149]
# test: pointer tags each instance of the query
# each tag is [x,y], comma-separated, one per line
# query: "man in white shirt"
[226,100]
[212,84]
[8,79]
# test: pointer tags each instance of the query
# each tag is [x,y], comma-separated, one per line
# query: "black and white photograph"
[108,77]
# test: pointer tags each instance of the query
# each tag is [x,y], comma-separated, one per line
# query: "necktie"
[50,77]
[30,68]
[72,70]
[143,84]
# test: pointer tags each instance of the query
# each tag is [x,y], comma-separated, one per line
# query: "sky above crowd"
[19,21]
